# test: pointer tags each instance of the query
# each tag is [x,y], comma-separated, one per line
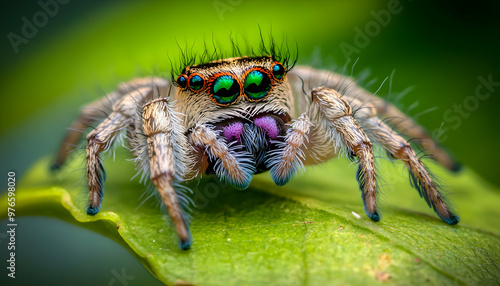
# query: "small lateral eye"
[196,82]
[257,85]
[225,89]
[278,71]
[182,81]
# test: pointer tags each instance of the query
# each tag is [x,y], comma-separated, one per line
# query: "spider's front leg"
[401,123]
[333,116]
[336,117]
[400,149]
[168,152]
[103,136]
[329,120]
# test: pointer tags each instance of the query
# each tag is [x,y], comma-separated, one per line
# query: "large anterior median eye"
[225,89]
[257,85]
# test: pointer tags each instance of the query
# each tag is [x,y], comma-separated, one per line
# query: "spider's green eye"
[225,89]
[278,71]
[257,85]
[182,81]
[196,82]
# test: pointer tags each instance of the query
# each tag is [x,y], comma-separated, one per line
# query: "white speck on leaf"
[356,215]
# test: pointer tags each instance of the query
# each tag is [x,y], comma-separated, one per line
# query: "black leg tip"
[242,185]
[239,185]
[92,211]
[185,244]
[457,167]
[278,178]
[281,181]
[452,220]
[375,217]
[55,166]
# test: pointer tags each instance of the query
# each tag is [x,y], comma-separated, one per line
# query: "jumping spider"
[239,116]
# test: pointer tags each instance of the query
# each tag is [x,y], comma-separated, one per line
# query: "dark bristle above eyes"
[279,52]
[217,63]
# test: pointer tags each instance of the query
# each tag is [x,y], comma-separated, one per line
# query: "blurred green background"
[85,49]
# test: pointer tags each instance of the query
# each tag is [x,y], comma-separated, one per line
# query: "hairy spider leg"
[95,111]
[89,114]
[400,149]
[407,127]
[126,100]
[99,140]
[336,117]
[102,137]
[160,132]
[306,78]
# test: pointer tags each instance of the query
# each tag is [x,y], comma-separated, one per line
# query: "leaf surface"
[300,234]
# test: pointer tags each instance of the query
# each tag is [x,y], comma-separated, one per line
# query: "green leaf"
[300,234]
